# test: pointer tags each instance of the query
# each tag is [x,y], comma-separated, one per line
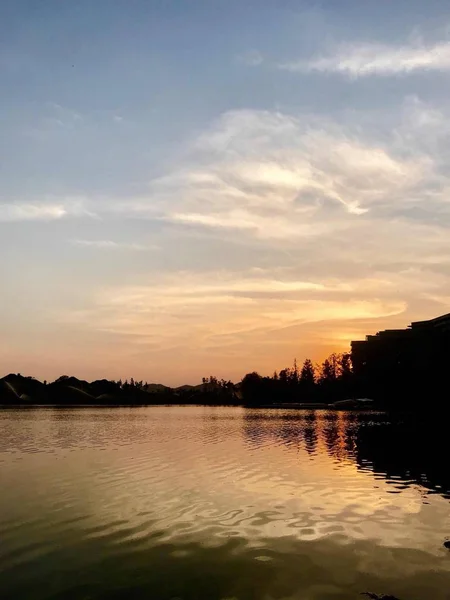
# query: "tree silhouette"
[308,374]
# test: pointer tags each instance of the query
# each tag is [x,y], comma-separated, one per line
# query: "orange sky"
[272,193]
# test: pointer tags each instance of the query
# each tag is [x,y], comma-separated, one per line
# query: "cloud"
[111,245]
[42,211]
[256,318]
[277,228]
[205,311]
[365,59]
[296,233]
[31,212]
[328,207]
[280,176]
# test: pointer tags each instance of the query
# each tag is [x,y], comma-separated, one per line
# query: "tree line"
[312,383]
[329,381]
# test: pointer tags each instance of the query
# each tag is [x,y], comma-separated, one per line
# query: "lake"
[221,503]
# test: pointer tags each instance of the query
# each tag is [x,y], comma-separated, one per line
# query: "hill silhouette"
[18,390]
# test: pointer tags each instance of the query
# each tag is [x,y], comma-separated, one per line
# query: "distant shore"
[261,406]
[333,386]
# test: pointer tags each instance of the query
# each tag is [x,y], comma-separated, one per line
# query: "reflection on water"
[191,502]
[406,448]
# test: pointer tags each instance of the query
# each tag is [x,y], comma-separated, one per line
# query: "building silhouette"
[404,365]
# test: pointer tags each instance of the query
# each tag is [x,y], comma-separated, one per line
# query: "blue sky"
[190,187]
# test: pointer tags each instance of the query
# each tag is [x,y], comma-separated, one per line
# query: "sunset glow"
[187,193]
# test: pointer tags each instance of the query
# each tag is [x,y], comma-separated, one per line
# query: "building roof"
[442,321]
[436,322]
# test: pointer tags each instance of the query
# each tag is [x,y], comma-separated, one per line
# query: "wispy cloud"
[364,59]
[297,233]
[112,245]
[279,176]
[41,211]
[202,312]
[281,230]
[31,212]
[63,117]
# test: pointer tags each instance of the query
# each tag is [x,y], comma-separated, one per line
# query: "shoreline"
[261,406]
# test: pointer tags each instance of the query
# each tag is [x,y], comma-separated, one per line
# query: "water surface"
[221,503]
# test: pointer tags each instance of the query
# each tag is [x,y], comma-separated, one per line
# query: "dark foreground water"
[209,503]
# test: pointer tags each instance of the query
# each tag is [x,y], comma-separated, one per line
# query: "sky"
[213,187]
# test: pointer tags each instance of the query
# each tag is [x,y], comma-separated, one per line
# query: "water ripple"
[254,504]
